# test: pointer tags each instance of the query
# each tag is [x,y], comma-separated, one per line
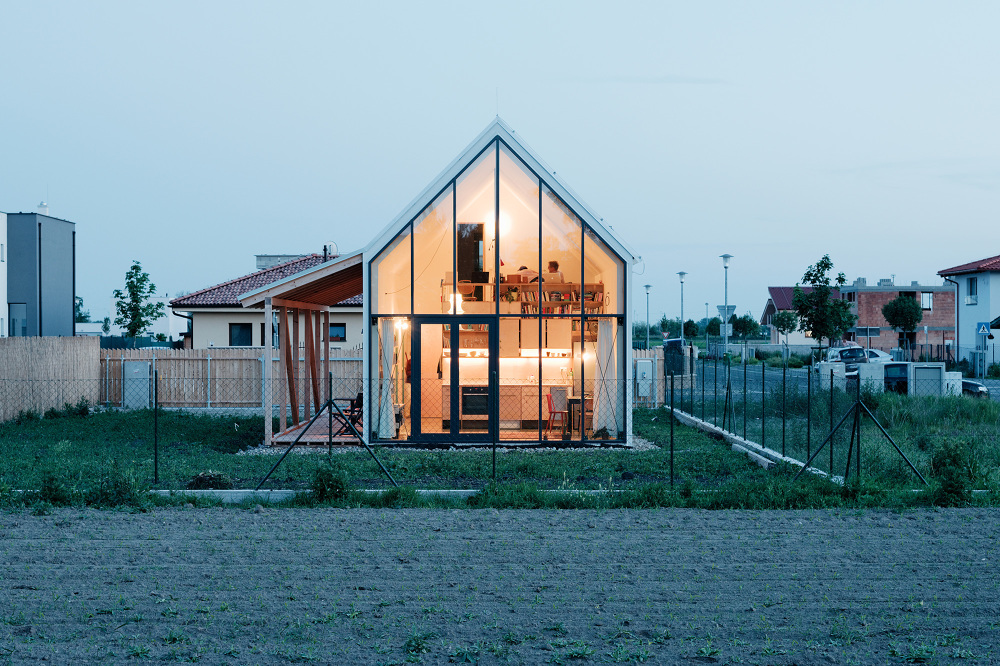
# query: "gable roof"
[338,281]
[227,294]
[981,266]
[499,129]
[782,296]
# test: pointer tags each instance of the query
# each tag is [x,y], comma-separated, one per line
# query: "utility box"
[839,376]
[908,378]
[135,385]
[645,381]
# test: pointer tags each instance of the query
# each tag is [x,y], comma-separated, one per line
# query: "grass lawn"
[72,456]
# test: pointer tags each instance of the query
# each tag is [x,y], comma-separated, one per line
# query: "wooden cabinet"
[509,338]
[510,403]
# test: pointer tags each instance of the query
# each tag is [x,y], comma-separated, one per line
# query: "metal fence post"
[763,404]
[671,429]
[857,409]
[208,381]
[784,408]
[704,378]
[715,393]
[831,421]
[744,400]
[809,413]
[156,428]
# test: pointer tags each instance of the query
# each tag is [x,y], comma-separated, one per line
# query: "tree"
[714,326]
[80,316]
[819,313]
[903,313]
[135,312]
[785,322]
[690,329]
[106,326]
[745,326]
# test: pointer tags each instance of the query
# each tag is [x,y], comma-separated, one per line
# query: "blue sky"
[191,136]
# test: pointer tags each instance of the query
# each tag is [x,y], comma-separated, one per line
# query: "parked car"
[974,389]
[852,357]
[878,356]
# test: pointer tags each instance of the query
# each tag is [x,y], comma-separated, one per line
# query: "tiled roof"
[227,294]
[782,296]
[990,264]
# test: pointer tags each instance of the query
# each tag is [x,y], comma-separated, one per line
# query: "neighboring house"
[780,300]
[40,267]
[218,320]
[977,305]
[3,275]
[935,331]
[459,349]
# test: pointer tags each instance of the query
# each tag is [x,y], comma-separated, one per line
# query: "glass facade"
[497,314]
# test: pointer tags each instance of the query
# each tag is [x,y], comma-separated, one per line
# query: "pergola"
[301,305]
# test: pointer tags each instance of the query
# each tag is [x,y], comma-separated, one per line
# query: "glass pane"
[604,278]
[472,357]
[557,364]
[390,277]
[432,256]
[562,239]
[18,319]
[475,246]
[518,223]
[603,371]
[435,382]
[390,402]
[516,382]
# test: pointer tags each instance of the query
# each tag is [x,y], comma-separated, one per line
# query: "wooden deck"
[318,434]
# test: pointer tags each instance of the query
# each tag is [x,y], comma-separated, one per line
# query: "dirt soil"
[439,586]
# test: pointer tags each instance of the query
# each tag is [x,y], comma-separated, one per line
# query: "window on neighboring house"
[18,320]
[972,291]
[851,297]
[338,332]
[3,253]
[240,335]
[927,300]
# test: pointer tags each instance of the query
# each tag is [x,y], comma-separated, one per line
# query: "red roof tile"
[227,294]
[990,264]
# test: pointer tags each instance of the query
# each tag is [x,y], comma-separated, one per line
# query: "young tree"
[80,316]
[903,313]
[135,312]
[819,313]
[745,326]
[690,329]
[714,326]
[784,323]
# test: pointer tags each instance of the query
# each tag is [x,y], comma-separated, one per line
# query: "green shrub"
[329,483]
[210,481]
[950,467]
[26,416]
[118,487]
[795,362]
[993,370]
[54,490]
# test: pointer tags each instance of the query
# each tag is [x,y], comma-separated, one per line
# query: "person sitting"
[527,275]
[554,274]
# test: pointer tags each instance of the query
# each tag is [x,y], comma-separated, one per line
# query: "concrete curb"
[766,458]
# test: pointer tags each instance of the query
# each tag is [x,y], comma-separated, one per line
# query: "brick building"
[935,332]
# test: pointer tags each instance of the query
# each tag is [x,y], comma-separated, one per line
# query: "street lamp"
[706,328]
[725,264]
[648,287]
[682,274]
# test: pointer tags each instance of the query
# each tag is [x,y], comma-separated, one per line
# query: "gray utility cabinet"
[136,385]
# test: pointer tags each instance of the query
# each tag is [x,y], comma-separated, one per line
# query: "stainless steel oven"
[475,401]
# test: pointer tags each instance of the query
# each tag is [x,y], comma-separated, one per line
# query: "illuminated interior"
[475,337]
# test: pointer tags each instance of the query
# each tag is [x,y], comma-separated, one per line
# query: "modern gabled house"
[219,320]
[496,306]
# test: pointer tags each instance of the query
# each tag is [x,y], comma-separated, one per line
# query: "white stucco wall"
[3,275]
[211,326]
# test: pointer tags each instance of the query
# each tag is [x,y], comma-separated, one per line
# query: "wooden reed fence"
[37,374]
[218,378]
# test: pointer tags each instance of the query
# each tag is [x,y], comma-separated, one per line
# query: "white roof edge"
[256,296]
[498,127]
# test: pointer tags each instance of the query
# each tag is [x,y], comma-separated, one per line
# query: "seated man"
[553,274]
[527,275]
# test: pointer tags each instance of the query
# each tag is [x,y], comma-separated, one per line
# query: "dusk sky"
[191,136]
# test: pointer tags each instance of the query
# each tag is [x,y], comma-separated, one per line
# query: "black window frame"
[245,330]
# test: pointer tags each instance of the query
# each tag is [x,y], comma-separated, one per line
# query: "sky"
[191,136]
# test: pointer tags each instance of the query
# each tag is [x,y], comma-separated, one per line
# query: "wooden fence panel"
[37,374]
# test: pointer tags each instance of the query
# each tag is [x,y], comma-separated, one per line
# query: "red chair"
[558,407]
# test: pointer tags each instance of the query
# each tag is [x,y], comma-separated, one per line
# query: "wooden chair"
[557,407]
[354,413]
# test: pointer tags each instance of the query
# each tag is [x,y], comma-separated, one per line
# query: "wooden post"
[308,374]
[296,362]
[268,343]
[326,355]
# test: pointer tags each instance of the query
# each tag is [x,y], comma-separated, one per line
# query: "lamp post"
[725,264]
[682,274]
[706,327]
[648,287]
